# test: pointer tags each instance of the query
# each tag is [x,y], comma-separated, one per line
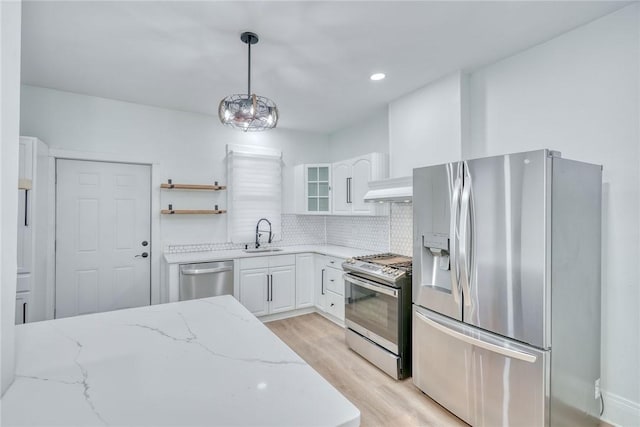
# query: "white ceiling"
[313,58]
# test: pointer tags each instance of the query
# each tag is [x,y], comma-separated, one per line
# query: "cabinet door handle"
[26,208]
[346,181]
[268,288]
[271,285]
[322,283]
[24,312]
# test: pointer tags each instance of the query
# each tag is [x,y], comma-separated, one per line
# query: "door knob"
[145,243]
[144,255]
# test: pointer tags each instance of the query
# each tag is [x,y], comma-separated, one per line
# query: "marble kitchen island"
[200,362]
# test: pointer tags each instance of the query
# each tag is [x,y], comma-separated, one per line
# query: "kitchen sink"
[259,250]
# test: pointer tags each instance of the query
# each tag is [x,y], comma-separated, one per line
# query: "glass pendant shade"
[250,112]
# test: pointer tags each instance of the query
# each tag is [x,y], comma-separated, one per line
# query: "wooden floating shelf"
[192,211]
[193,187]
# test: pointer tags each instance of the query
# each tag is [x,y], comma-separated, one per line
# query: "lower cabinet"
[283,289]
[330,289]
[275,284]
[254,290]
[23,305]
[271,288]
[305,280]
[335,305]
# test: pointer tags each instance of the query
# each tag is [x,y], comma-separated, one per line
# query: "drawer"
[23,282]
[334,262]
[334,281]
[335,304]
[251,263]
[281,260]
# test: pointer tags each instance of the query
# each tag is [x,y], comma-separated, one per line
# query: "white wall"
[10,16]
[579,94]
[365,136]
[188,148]
[425,126]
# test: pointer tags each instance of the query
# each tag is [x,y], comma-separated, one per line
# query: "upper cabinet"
[351,182]
[313,183]
[339,188]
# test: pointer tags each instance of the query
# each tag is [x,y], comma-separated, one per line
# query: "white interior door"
[103,229]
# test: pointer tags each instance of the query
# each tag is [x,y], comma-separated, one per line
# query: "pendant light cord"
[249,70]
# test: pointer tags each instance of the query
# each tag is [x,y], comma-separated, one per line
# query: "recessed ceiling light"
[378,76]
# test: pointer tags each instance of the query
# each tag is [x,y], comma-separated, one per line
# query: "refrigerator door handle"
[466,253]
[508,352]
[453,238]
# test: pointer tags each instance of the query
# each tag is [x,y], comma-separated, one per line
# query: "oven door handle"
[371,286]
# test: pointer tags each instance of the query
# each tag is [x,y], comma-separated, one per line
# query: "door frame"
[156,246]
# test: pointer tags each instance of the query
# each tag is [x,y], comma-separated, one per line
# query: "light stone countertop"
[206,256]
[199,362]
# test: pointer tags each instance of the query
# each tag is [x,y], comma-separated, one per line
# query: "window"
[255,191]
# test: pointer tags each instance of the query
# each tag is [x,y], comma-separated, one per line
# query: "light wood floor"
[382,401]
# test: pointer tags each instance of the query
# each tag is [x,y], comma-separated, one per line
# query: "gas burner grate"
[388,259]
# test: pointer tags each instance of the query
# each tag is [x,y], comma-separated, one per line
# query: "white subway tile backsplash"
[378,233]
[303,230]
[363,232]
[401,228]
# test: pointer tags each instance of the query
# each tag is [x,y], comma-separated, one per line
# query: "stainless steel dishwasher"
[204,280]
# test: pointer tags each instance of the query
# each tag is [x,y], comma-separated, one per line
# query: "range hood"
[390,190]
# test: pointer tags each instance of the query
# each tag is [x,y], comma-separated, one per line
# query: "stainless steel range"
[378,311]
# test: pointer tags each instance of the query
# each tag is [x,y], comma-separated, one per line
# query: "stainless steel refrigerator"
[506,288]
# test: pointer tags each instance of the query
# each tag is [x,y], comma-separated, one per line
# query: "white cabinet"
[268,284]
[305,280]
[339,188]
[340,194]
[33,230]
[25,155]
[335,305]
[350,183]
[330,289]
[283,288]
[23,307]
[313,186]
[25,232]
[254,291]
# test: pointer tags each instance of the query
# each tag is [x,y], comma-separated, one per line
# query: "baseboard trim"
[619,411]
[299,312]
[287,314]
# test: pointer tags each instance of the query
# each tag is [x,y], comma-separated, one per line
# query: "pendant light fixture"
[248,112]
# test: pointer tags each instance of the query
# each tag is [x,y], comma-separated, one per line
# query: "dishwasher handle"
[197,271]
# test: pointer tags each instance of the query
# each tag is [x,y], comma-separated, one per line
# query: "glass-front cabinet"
[317,189]
[316,198]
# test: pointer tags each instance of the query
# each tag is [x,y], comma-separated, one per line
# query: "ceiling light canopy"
[248,112]
[377,76]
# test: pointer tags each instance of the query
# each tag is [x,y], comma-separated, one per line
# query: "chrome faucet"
[258,231]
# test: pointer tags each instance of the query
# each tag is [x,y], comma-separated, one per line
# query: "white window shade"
[255,191]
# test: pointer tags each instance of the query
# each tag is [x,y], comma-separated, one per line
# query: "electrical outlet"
[597,389]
